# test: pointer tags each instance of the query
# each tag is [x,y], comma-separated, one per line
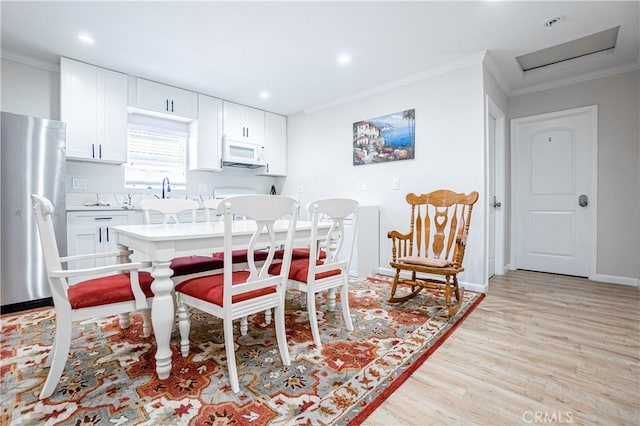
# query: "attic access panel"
[594,43]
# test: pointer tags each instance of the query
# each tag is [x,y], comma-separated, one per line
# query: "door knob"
[496,203]
[583,200]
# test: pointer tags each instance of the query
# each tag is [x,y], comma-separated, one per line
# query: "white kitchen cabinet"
[275,142]
[365,257]
[242,123]
[152,96]
[90,232]
[205,136]
[94,106]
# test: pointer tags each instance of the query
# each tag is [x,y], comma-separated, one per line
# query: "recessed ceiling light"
[86,38]
[344,59]
[264,94]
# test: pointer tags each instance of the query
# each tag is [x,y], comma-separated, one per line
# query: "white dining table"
[163,242]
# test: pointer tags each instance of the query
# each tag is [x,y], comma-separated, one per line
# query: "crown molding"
[413,78]
[497,74]
[633,66]
[21,58]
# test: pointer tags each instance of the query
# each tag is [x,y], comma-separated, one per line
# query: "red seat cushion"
[211,288]
[299,253]
[107,290]
[240,256]
[194,264]
[300,270]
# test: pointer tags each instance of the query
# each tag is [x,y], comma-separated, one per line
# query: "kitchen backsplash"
[107,180]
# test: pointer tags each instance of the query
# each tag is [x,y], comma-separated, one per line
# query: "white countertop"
[96,208]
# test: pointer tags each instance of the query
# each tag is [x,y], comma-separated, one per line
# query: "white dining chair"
[327,269]
[239,257]
[238,293]
[176,210]
[170,208]
[125,290]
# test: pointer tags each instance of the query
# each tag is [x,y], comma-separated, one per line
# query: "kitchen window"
[156,148]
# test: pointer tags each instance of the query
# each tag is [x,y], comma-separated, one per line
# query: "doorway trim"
[592,112]
[492,109]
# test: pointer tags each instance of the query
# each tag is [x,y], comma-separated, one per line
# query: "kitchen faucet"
[168,186]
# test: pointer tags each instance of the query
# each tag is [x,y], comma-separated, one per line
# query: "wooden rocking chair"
[434,245]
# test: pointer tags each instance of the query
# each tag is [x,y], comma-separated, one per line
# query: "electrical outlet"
[300,189]
[396,183]
[362,185]
[78,183]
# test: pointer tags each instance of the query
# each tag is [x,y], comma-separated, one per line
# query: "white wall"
[35,91]
[449,125]
[29,90]
[617,97]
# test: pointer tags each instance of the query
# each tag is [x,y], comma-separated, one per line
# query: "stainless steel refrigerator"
[33,161]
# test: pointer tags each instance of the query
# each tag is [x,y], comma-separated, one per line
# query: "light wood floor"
[539,349]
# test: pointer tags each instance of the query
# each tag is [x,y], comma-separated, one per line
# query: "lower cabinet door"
[90,232]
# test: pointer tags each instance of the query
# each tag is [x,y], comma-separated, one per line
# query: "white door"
[492,197]
[554,191]
[495,203]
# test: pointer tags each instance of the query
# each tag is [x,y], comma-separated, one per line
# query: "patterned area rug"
[110,375]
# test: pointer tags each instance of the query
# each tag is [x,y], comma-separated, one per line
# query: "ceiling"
[235,50]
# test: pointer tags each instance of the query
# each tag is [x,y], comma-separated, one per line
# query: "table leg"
[123,319]
[162,315]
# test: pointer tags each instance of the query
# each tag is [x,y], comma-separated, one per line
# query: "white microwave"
[243,154]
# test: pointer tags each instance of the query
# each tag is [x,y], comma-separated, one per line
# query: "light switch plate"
[396,183]
[362,185]
[202,188]
[78,183]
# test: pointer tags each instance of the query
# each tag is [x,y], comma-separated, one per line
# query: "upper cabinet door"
[158,97]
[94,106]
[78,107]
[275,142]
[205,139]
[242,123]
[111,119]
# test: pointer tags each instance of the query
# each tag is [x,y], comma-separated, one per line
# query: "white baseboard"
[612,279]
[479,288]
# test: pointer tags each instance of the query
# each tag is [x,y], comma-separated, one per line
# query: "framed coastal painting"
[386,138]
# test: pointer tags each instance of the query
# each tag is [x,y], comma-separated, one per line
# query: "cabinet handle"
[93,151]
[247,132]
[107,234]
[171,106]
[103,218]
[267,167]
[100,150]
[99,235]
[167,108]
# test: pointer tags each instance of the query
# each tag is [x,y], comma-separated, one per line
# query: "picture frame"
[384,139]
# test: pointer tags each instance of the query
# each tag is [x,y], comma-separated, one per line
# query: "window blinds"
[155,152]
